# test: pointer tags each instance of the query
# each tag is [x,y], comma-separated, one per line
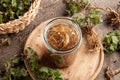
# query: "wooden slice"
[86,66]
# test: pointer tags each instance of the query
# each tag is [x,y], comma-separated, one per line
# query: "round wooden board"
[86,66]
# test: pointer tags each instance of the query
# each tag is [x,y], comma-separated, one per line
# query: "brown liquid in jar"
[62,37]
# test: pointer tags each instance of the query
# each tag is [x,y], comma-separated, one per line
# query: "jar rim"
[53,50]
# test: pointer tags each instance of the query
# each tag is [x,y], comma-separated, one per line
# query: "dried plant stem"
[111,73]
[113,18]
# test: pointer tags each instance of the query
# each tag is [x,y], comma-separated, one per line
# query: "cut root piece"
[113,18]
[91,37]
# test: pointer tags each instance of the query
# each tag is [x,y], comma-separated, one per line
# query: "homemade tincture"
[62,36]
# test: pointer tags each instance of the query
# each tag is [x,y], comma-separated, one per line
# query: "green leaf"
[18,72]
[21,6]
[81,20]
[14,3]
[108,39]
[74,8]
[34,64]
[94,16]
[115,39]
[111,41]
[5,5]
[44,69]
[15,59]
[95,20]
[1,17]
[13,71]
[23,72]
[32,55]
[58,75]
[112,47]
[11,15]
[12,9]
[27,2]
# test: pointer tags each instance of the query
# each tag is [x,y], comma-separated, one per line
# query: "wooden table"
[55,8]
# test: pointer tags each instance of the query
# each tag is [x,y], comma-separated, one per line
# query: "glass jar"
[62,37]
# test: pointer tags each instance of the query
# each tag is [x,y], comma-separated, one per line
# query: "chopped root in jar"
[62,36]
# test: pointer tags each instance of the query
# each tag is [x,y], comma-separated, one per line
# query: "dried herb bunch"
[14,69]
[113,17]
[12,9]
[91,37]
[39,72]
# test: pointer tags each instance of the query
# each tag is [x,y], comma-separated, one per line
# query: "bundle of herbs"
[37,71]
[12,9]
[19,67]
[92,16]
[111,42]
[14,69]
[75,6]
